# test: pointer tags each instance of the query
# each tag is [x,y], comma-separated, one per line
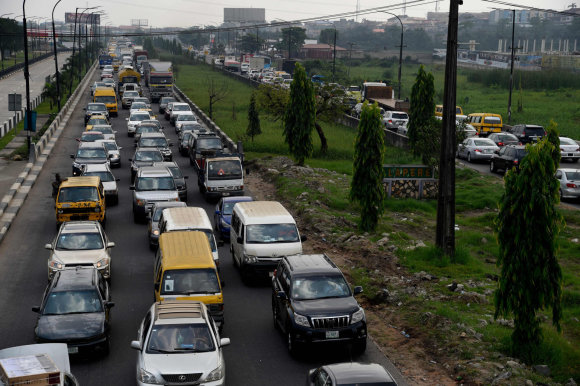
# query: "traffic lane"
[483,168]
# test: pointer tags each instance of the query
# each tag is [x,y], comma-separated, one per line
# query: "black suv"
[508,157]
[201,146]
[313,304]
[528,133]
[75,310]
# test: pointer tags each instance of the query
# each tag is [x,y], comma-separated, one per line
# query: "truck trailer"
[159,78]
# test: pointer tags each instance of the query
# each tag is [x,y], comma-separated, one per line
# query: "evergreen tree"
[300,116]
[253,119]
[527,226]
[368,173]
[421,113]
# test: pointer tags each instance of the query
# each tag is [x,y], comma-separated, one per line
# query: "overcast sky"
[186,13]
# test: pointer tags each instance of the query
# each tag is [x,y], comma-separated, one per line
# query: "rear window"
[483,142]
[400,116]
[521,153]
[539,131]
[492,120]
[567,141]
[573,176]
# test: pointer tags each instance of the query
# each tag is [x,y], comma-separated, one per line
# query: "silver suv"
[152,184]
[80,243]
[394,119]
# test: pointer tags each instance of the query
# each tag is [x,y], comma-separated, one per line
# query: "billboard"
[245,15]
[83,18]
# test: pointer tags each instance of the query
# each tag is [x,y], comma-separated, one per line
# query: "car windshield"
[155,183]
[181,108]
[130,94]
[72,302]
[573,176]
[148,156]
[105,99]
[152,142]
[228,207]
[95,107]
[186,137]
[91,136]
[224,170]
[186,118]
[103,129]
[166,100]
[138,105]
[147,129]
[97,121]
[319,287]
[209,144]
[521,153]
[506,137]
[567,141]
[535,131]
[152,122]
[175,171]
[139,117]
[92,153]
[177,338]
[78,194]
[483,142]
[111,145]
[190,281]
[79,241]
[105,176]
[191,127]
[354,88]
[271,233]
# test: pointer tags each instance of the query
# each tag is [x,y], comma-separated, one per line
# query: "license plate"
[570,154]
[331,334]
[73,350]
[225,194]
[270,274]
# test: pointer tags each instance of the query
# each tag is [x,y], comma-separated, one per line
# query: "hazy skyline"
[187,13]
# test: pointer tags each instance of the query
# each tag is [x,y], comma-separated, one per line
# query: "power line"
[513,5]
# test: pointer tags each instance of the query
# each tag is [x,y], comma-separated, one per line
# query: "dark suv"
[528,133]
[75,310]
[508,157]
[313,304]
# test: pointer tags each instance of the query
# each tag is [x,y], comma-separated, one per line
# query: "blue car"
[223,214]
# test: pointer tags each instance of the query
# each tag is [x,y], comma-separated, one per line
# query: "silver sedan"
[477,149]
[569,183]
[569,149]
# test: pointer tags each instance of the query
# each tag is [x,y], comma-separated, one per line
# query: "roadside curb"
[13,200]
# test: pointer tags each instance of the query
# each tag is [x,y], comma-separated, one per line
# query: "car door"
[461,149]
[500,159]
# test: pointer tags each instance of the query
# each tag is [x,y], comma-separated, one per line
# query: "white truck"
[36,364]
[221,176]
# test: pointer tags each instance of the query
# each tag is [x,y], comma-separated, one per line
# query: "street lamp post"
[57,73]
[80,41]
[2,47]
[400,53]
[26,78]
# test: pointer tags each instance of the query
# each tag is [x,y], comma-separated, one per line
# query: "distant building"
[321,51]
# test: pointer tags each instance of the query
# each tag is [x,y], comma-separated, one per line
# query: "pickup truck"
[221,176]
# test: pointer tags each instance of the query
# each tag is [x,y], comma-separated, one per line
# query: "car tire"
[275,314]
[492,167]
[291,342]
[561,196]
[360,347]
[468,157]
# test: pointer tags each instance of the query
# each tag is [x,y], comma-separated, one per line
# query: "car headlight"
[77,165]
[357,316]
[60,211]
[301,320]
[176,199]
[250,259]
[97,209]
[216,374]
[146,377]
[156,232]
[102,263]
[55,264]
[115,156]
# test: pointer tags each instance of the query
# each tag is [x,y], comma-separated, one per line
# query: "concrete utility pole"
[56,58]
[445,237]
[512,67]
[27,79]
[400,53]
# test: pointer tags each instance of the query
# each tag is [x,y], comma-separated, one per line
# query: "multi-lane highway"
[257,354]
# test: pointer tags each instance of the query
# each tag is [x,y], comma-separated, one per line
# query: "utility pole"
[56,58]
[27,79]
[512,67]
[445,236]
[334,55]
[400,53]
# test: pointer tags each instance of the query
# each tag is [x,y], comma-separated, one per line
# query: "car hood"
[273,249]
[110,185]
[157,195]
[80,257]
[181,363]
[326,307]
[71,326]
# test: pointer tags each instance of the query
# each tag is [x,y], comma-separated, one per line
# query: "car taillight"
[570,185]
[477,150]
[500,144]
[390,121]
[523,133]
[274,274]
[516,161]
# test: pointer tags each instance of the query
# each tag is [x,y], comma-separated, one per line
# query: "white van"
[261,233]
[189,219]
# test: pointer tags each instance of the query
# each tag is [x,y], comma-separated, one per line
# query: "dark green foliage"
[253,119]
[368,173]
[300,116]
[554,139]
[424,131]
[327,36]
[531,80]
[527,227]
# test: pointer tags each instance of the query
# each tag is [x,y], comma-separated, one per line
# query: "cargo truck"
[140,56]
[159,78]
[383,95]
[128,75]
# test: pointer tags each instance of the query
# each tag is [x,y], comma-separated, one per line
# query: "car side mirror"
[156,286]
[282,295]
[220,243]
[132,187]
[47,246]
[136,345]
[111,244]
[217,212]
[185,177]
[239,240]
[170,145]
[130,159]
[126,119]
[110,155]
[36,309]
[358,290]
[72,156]
[303,238]
[110,304]
[117,179]
[224,342]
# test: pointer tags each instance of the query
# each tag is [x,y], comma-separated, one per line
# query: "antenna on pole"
[437,6]
[357,10]
[405,7]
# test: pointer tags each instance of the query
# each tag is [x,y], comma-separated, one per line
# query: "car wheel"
[234,257]
[275,314]
[561,196]
[468,157]
[291,342]
[492,167]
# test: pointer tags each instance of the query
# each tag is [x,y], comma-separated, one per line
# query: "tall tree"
[215,93]
[300,115]
[527,226]
[421,121]
[327,36]
[368,173]
[292,40]
[253,128]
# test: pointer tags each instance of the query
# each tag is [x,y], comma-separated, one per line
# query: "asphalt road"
[15,83]
[257,354]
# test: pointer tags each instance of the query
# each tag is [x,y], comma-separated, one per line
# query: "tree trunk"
[210,108]
[323,142]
